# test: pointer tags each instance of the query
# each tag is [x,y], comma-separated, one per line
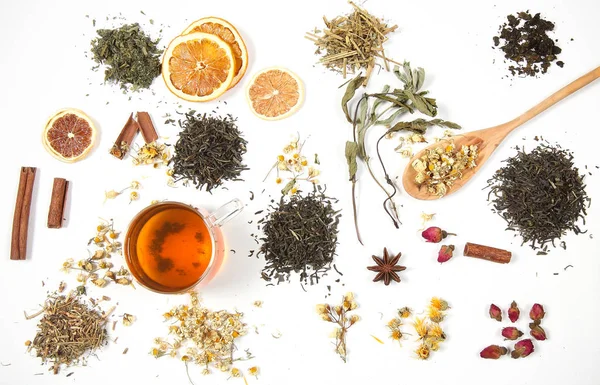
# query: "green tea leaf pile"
[209,151]
[540,194]
[131,57]
[300,236]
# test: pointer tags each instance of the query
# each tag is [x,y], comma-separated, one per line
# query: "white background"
[45,66]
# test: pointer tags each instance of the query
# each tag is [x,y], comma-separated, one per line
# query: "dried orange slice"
[69,135]
[198,67]
[227,32]
[275,93]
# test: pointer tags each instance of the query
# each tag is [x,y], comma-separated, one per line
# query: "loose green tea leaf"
[349,94]
[131,57]
[540,194]
[209,151]
[351,154]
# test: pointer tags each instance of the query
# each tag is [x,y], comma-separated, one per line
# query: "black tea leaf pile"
[300,236]
[209,151]
[540,194]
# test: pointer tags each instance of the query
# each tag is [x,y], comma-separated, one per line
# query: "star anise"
[386,268]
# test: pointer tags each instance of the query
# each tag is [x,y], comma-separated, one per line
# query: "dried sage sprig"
[384,108]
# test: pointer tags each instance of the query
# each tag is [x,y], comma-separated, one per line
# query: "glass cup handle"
[224,213]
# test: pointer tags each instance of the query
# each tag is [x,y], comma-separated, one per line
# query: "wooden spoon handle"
[553,99]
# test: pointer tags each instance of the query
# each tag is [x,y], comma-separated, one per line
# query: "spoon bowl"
[487,140]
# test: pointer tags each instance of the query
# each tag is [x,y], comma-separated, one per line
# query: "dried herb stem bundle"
[540,194]
[352,42]
[209,151]
[68,330]
[131,57]
[383,109]
[300,235]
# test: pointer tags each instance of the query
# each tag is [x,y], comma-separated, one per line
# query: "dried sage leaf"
[351,154]
[349,94]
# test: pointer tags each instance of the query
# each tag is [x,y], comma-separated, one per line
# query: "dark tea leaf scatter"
[68,330]
[209,151]
[540,194]
[525,42]
[300,235]
[131,57]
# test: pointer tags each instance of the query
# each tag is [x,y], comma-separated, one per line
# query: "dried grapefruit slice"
[198,67]
[69,135]
[275,93]
[227,32]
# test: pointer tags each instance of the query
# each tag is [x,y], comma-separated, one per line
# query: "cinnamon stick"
[125,138]
[146,126]
[488,253]
[57,203]
[18,247]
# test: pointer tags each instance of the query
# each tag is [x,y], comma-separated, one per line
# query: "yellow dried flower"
[278,180]
[420,327]
[134,184]
[133,196]
[439,304]
[99,282]
[435,315]
[433,343]
[395,323]
[112,194]
[280,158]
[436,332]
[405,312]
[128,319]
[423,351]
[396,335]
[235,372]
[253,371]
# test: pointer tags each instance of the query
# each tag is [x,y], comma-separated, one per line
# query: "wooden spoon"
[487,140]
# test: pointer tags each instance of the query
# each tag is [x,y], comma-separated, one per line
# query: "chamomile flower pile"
[292,166]
[440,167]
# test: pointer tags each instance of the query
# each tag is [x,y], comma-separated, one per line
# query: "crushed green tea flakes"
[526,45]
[352,42]
[69,330]
[209,151]
[540,194]
[300,236]
[131,57]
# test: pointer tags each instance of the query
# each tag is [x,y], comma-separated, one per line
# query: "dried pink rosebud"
[537,332]
[495,313]
[435,234]
[445,253]
[523,348]
[511,333]
[537,312]
[513,312]
[493,352]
